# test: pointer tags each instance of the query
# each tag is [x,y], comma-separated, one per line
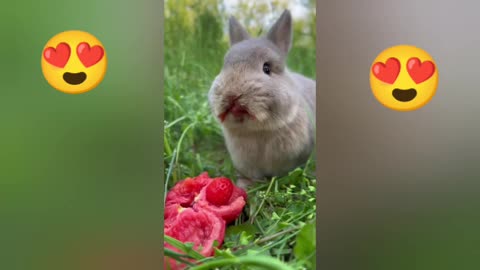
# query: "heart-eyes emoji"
[404,78]
[74,62]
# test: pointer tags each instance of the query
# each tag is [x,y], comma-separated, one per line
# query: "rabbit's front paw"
[244,183]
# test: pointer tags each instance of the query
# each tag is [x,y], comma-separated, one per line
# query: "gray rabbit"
[267,113]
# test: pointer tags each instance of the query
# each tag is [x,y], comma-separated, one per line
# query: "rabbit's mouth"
[239,112]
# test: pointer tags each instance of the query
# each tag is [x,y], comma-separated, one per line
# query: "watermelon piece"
[197,210]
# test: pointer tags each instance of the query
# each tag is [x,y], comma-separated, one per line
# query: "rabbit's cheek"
[260,114]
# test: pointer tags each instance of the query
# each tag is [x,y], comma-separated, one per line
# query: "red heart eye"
[420,72]
[387,72]
[89,56]
[57,56]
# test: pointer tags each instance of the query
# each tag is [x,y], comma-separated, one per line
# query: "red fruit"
[201,228]
[238,192]
[219,191]
[170,215]
[230,210]
[185,191]
[197,211]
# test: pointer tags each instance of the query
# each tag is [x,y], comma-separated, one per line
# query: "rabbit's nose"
[235,107]
[232,98]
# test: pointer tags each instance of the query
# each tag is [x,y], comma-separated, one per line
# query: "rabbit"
[266,112]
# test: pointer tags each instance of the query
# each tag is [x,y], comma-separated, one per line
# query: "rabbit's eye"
[266,68]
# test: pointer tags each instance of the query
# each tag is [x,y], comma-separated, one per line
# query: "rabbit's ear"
[236,31]
[281,32]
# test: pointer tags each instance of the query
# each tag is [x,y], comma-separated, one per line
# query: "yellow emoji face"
[74,62]
[403,78]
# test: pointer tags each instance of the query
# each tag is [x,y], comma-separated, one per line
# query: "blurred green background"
[81,175]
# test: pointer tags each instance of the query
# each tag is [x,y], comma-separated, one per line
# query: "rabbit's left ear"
[236,31]
[281,32]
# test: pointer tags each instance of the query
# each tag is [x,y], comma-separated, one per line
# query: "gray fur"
[281,135]
[236,31]
[281,32]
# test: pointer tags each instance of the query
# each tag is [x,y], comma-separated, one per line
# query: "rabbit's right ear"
[281,32]
[236,31]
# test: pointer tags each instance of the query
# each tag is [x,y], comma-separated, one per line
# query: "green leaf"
[245,238]
[227,253]
[305,245]
[240,235]
[296,173]
[186,248]
[257,251]
[249,229]
[296,207]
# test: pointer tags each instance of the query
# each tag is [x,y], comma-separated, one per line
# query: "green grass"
[277,228]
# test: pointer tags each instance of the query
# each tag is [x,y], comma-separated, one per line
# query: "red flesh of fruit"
[219,191]
[197,210]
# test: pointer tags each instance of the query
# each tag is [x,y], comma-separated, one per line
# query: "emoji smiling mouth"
[74,78]
[404,95]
